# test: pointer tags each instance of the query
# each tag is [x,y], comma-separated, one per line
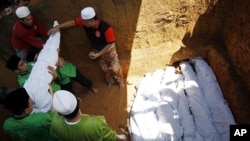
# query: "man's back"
[90,128]
[34,127]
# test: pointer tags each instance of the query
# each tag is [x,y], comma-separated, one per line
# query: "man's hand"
[53,72]
[93,55]
[53,30]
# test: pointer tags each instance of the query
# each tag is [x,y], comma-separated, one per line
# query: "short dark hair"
[31,56]
[17,101]
[12,62]
[95,17]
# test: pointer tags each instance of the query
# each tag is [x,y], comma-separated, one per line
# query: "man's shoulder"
[19,28]
[9,120]
[96,119]
[57,119]
[104,26]
[10,123]
[104,23]
[17,25]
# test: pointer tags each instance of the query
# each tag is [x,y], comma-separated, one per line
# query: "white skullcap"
[64,102]
[88,13]
[22,12]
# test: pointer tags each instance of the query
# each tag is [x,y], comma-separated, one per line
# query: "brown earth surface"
[149,35]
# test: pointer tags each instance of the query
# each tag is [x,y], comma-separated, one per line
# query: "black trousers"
[80,79]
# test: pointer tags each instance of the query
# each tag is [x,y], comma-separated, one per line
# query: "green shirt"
[65,72]
[34,127]
[89,128]
[21,78]
[55,87]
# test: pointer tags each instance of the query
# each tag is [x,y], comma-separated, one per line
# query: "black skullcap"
[17,101]
[30,56]
[12,63]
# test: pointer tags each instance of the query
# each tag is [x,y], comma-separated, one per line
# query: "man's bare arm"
[61,26]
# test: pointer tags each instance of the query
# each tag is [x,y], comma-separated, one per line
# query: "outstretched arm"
[61,26]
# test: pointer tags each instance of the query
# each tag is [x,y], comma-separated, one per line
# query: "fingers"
[92,55]
[53,72]
[53,30]
[50,68]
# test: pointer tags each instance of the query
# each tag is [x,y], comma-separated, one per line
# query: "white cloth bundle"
[222,117]
[167,112]
[37,85]
[180,107]
[198,105]
[169,75]
[142,112]
[187,121]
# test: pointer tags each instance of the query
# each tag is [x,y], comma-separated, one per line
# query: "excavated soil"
[149,35]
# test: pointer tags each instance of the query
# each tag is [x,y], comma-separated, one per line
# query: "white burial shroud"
[37,85]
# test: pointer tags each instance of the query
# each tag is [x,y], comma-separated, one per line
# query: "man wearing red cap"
[102,39]
[26,32]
